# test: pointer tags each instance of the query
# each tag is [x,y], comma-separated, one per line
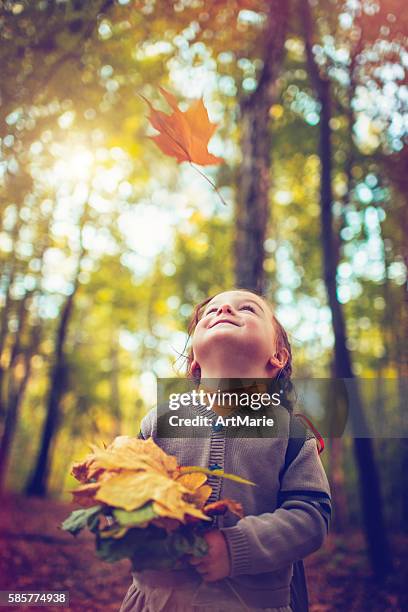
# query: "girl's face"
[235,325]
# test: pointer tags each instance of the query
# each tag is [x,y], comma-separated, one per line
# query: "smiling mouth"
[224,321]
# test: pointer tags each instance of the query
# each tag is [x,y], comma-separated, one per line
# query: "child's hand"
[216,564]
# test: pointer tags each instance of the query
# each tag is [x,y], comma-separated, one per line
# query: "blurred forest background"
[106,244]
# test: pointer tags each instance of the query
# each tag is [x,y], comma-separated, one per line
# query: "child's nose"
[225,308]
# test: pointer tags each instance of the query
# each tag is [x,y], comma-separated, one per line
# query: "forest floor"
[37,555]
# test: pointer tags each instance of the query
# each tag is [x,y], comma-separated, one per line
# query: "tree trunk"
[404,483]
[37,484]
[114,384]
[4,321]
[336,475]
[403,444]
[253,182]
[13,385]
[340,514]
[15,397]
[396,168]
[369,479]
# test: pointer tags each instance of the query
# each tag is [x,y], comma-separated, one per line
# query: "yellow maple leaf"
[85,495]
[178,511]
[200,496]
[130,490]
[130,472]
[192,481]
[222,505]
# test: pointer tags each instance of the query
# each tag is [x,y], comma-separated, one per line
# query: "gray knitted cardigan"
[286,517]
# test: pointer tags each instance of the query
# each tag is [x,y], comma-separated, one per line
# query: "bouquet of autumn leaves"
[142,505]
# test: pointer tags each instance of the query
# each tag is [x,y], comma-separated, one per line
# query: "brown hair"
[282,340]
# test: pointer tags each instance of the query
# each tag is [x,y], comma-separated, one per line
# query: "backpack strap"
[299,425]
[299,597]
[298,434]
[300,430]
[297,437]
[317,435]
[299,600]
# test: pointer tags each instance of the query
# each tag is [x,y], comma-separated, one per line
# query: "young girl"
[249,562]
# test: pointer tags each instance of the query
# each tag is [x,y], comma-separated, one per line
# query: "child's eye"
[211,310]
[247,307]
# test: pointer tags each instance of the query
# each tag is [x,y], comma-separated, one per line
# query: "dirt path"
[36,555]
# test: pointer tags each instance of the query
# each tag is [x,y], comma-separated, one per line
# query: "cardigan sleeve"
[148,425]
[298,526]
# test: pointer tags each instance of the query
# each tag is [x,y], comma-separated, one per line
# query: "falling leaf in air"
[185,134]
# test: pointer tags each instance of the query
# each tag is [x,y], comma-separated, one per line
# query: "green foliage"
[152,547]
[148,548]
[135,517]
[79,519]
